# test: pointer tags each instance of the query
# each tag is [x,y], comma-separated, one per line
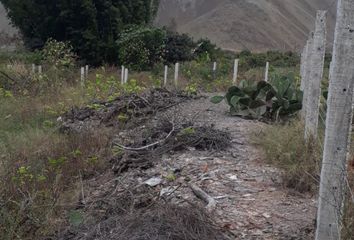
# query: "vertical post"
[33,68]
[306,78]
[214,70]
[40,69]
[126,75]
[315,77]
[266,72]
[82,76]
[338,127]
[165,76]
[234,78]
[86,71]
[303,65]
[176,74]
[122,75]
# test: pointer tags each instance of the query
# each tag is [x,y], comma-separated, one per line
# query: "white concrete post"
[307,70]
[234,78]
[338,127]
[122,75]
[126,75]
[86,71]
[266,72]
[214,70]
[165,76]
[40,70]
[304,57]
[82,76]
[33,68]
[315,77]
[176,74]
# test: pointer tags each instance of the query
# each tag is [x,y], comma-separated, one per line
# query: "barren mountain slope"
[247,24]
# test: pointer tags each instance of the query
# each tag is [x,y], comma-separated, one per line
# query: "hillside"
[247,24]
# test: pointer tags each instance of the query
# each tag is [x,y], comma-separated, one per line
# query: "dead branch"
[204,196]
[150,145]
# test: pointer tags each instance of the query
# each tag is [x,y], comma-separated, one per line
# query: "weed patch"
[285,147]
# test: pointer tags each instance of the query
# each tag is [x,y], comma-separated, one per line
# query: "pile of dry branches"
[138,214]
[129,109]
[151,143]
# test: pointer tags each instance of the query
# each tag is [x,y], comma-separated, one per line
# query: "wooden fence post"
[176,74]
[165,76]
[338,126]
[234,78]
[315,77]
[266,72]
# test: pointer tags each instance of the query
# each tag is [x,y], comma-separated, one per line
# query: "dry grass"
[285,147]
[38,164]
[348,226]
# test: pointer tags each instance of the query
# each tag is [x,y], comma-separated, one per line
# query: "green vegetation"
[41,169]
[272,100]
[91,26]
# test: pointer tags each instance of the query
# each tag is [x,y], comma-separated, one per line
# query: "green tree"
[141,47]
[91,26]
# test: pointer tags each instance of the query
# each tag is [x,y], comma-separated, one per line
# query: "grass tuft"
[284,146]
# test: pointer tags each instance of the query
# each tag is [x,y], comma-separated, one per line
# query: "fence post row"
[338,127]
[316,62]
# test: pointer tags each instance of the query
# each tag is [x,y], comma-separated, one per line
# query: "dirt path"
[250,199]
[251,202]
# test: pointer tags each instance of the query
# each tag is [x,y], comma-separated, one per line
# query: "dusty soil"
[251,202]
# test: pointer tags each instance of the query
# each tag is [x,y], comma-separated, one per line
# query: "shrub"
[141,47]
[179,48]
[58,54]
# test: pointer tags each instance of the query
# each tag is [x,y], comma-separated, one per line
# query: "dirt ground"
[251,202]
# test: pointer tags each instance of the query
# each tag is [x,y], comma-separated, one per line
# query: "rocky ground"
[246,196]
